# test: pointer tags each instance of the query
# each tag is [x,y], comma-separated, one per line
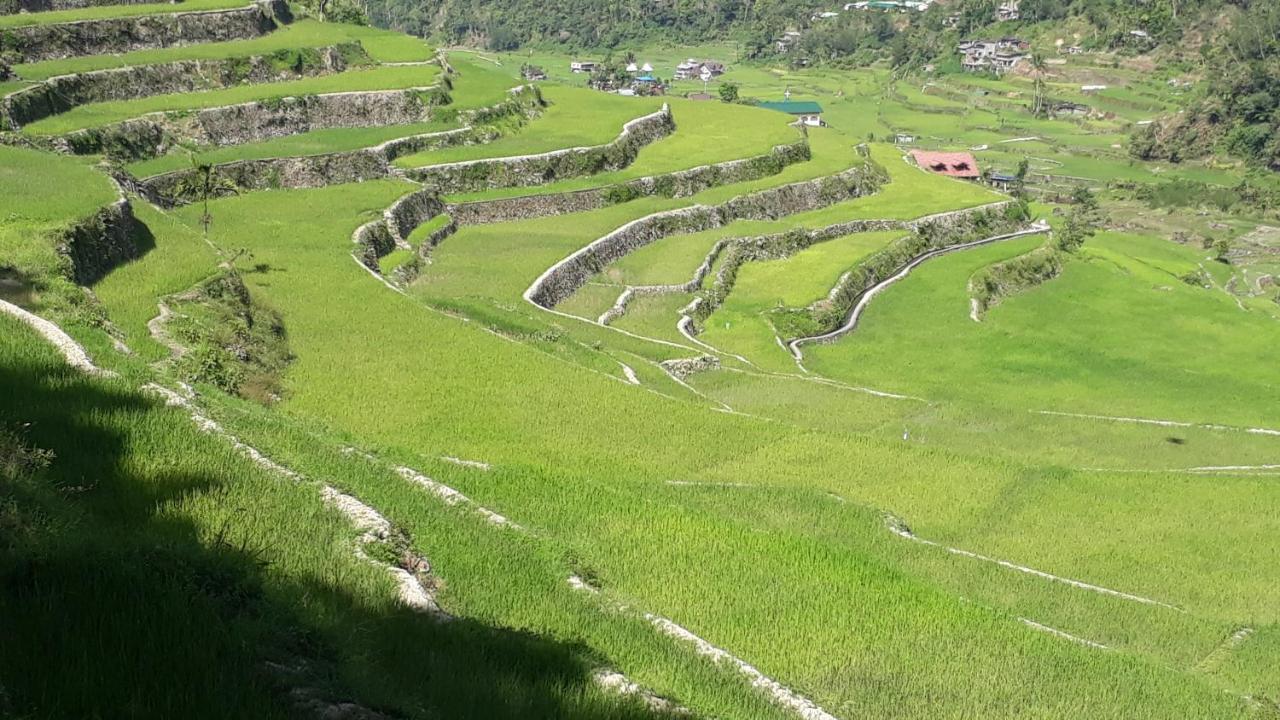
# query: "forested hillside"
[1233,41]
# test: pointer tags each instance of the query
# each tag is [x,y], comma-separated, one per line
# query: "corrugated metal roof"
[794,107]
[955,164]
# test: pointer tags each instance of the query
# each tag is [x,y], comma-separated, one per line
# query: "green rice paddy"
[1065,510]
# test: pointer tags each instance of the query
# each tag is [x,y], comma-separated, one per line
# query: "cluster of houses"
[636,78]
[889,5]
[998,56]
[699,70]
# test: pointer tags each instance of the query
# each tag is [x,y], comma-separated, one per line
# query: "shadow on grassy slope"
[140,576]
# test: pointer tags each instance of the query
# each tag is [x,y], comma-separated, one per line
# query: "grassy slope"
[113,11]
[491,418]
[740,326]
[43,195]
[716,133]
[770,570]
[1123,322]
[381,45]
[576,118]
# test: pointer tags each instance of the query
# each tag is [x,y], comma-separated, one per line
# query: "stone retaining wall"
[929,233]
[271,173]
[564,278]
[543,168]
[685,367]
[683,183]
[155,134]
[324,169]
[410,211]
[377,238]
[13,7]
[34,43]
[102,241]
[64,92]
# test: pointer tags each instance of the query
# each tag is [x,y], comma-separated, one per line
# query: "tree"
[204,184]
[1222,250]
[1039,67]
[1075,231]
[728,92]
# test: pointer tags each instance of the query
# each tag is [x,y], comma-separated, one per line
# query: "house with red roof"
[953,164]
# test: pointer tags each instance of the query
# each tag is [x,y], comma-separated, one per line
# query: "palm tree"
[1039,67]
[203,184]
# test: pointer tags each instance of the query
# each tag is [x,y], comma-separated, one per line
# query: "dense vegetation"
[1240,112]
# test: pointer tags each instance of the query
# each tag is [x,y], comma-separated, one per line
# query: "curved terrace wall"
[334,168]
[376,238]
[64,92]
[565,277]
[683,183]
[55,41]
[156,133]
[543,168]
[930,234]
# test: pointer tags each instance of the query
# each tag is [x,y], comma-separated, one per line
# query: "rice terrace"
[382,359]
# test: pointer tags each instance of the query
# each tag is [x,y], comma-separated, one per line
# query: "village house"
[998,56]
[1065,107]
[583,66]
[1008,10]
[952,164]
[808,112]
[788,39]
[532,73]
[1002,181]
[693,69]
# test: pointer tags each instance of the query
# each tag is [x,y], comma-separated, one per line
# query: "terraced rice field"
[454,498]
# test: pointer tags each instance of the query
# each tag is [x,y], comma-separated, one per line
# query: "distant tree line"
[1239,42]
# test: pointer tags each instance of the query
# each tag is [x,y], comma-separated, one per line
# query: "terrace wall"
[683,183]
[13,7]
[340,167]
[564,278]
[540,169]
[930,233]
[102,241]
[156,133]
[53,41]
[62,93]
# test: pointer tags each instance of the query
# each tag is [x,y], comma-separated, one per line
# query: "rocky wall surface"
[250,122]
[929,234]
[410,211]
[64,92]
[273,173]
[548,167]
[564,278]
[34,43]
[102,241]
[12,7]
[157,133]
[685,367]
[373,240]
[305,171]
[683,183]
